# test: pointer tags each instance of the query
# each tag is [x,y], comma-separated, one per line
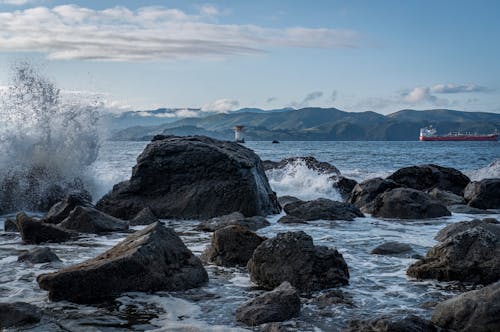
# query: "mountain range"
[316,124]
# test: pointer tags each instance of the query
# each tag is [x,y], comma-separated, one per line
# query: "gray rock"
[333,297]
[484,194]
[407,203]
[281,304]
[446,198]
[365,192]
[34,232]
[89,220]
[193,177]
[18,314]
[153,259]
[235,218]
[284,200]
[322,208]
[293,257]
[144,217]
[410,323]
[477,311]
[391,248]
[344,185]
[10,226]
[466,209]
[291,220]
[459,227]
[39,255]
[60,211]
[312,163]
[232,245]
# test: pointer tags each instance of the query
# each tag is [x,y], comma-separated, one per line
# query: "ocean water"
[378,284]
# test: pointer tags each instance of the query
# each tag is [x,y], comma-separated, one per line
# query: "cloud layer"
[149,33]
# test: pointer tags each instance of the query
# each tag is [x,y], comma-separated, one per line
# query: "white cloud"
[17,2]
[418,95]
[310,97]
[209,10]
[149,33]
[221,106]
[458,88]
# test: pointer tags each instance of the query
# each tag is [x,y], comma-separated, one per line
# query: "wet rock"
[144,217]
[274,327]
[232,245]
[18,314]
[284,200]
[484,194]
[428,177]
[459,227]
[391,248]
[468,254]
[365,192]
[344,186]
[10,226]
[477,310]
[293,257]
[466,209]
[39,255]
[291,220]
[235,218]
[61,210]
[406,203]
[333,297]
[89,220]
[323,208]
[193,177]
[446,198]
[312,163]
[34,232]
[153,259]
[410,323]
[281,304]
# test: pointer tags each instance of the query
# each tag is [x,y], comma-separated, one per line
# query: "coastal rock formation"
[153,259]
[285,200]
[35,232]
[466,209]
[293,257]
[10,226]
[18,314]
[427,177]
[60,211]
[477,310]
[365,192]
[236,218]
[89,220]
[322,208]
[312,163]
[39,255]
[410,323]
[456,228]
[446,198]
[484,194]
[407,203]
[469,252]
[291,220]
[193,178]
[144,217]
[278,305]
[232,245]
[391,248]
[344,186]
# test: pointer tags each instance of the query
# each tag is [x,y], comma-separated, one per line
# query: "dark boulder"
[466,209]
[291,220]
[39,255]
[322,208]
[153,259]
[410,323]
[344,185]
[310,162]
[232,245]
[235,218]
[477,311]
[89,220]
[459,227]
[18,314]
[446,198]
[59,211]
[469,252]
[365,192]
[193,177]
[144,217]
[293,257]
[427,177]
[10,226]
[391,248]
[285,200]
[278,305]
[34,232]
[484,194]
[407,203]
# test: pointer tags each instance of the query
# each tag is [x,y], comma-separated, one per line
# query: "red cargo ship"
[429,134]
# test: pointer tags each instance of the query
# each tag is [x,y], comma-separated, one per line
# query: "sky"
[379,56]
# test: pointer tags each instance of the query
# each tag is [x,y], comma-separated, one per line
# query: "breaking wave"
[46,142]
[488,172]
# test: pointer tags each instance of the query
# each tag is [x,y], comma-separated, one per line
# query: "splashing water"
[46,142]
[488,172]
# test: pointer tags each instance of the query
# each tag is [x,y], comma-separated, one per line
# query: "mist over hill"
[317,124]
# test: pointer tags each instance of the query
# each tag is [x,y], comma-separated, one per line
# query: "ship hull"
[461,138]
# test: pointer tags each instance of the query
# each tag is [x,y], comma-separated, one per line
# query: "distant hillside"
[321,124]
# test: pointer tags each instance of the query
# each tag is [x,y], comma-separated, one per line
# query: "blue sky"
[354,55]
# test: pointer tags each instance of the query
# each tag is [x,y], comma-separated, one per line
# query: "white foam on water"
[488,172]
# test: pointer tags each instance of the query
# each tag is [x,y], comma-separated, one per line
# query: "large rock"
[427,177]
[406,203]
[153,259]
[446,198]
[344,185]
[232,245]
[469,252]
[89,220]
[310,162]
[391,248]
[281,304]
[285,200]
[10,226]
[365,192]
[193,178]
[18,314]
[293,257]
[39,255]
[144,217]
[459,227]
[466,209]
[235,218]
[35,232]
[61,210]
[409,323]
[477,311]
[484,194]
[322,208]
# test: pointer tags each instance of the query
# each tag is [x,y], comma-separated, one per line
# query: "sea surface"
[378,284]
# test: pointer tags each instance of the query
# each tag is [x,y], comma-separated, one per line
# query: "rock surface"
[365,192]
[469,252]
[281,304]
[386,324]
[484,194]
[235,218]
[312,163]
[407,203]
[193,177]
[144,217]
[35,232]
[89,220]
[291,220]
[322,208]
[285,200]
[10,226]
[391,248]
[153,259]
[39,255]
[61,210]
[446,198]
[344,186]
[18,314]
[293,257]
[477,310]
[232,245]
[466,209]
[427,177]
